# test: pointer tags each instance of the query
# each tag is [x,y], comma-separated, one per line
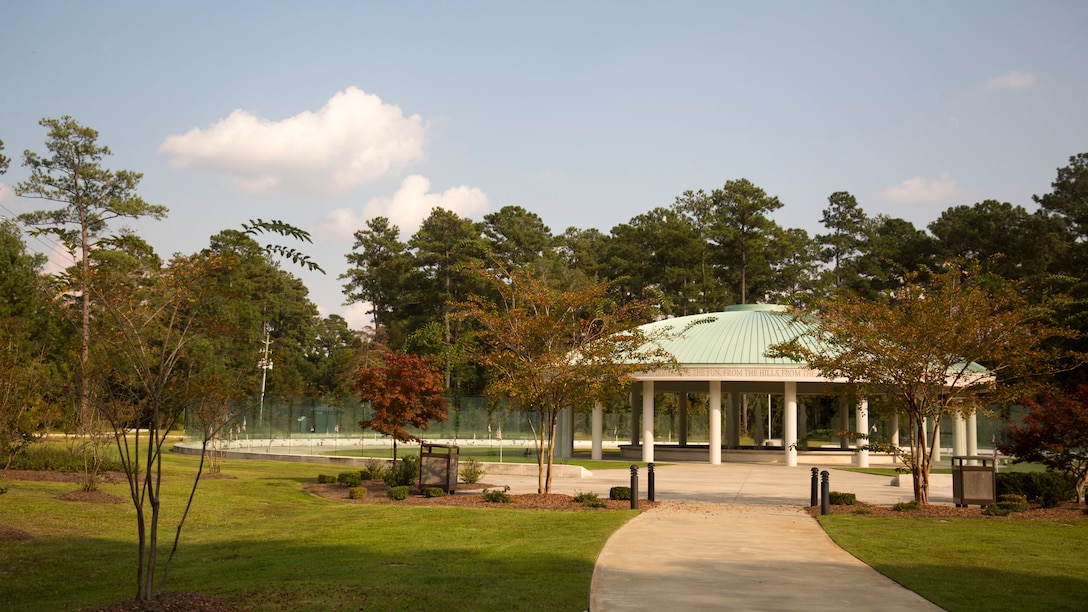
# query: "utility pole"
[265,365]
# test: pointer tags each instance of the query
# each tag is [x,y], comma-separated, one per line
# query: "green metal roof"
[739,335]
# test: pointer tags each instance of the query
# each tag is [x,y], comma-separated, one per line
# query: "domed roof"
[739,335]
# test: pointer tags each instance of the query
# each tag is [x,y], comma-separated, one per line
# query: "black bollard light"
[825,493]
[634,487]
[650,481]
[814,498]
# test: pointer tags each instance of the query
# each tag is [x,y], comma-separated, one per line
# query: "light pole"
[265,364]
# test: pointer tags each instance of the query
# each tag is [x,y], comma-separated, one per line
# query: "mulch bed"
[466,496]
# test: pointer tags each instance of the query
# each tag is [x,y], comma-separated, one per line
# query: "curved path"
[734,537]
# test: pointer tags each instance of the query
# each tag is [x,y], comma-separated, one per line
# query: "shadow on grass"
[970,588]
[275,574]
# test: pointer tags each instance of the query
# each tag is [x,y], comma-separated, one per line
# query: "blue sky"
[586,113]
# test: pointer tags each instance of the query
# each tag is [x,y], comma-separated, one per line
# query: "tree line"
[709,250]
[706,250]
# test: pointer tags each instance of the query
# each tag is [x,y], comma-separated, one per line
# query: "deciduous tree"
[547,349]
[1054,433]
[157,359]
[405,391]
[934,348]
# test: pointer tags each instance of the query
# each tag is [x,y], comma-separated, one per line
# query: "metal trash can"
[438,466]
[974,484]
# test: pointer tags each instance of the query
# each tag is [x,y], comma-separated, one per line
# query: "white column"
[861,424]
[972,437]
[715,425]
[596,427]
[789,424]
[682,438]
[648,421]
[893,425]
[959,435]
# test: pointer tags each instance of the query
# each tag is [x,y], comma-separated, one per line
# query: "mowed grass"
[975,564]
[261,540]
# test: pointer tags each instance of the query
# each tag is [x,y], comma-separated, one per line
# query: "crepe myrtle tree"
[935,348]
[546,349]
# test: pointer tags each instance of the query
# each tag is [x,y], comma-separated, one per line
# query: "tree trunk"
[553,416]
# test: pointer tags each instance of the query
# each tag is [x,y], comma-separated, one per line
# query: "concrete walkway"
[734,537]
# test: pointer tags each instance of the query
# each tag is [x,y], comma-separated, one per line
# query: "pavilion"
[723,355]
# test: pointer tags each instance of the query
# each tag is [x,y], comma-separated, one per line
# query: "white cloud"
[355,138]
[406,209]
[921,190]
[1012,80]
[357,315]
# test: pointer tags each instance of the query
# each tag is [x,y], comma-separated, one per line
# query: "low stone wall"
[701,453]
[512,469]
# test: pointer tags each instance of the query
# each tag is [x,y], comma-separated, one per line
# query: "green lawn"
[975,564]
[261,540]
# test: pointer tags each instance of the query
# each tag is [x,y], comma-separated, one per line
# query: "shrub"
[1010,483]
[326,479]
[403,472]
[863,510]
[398,493]
[906,506]
[364,474]
[349,479]
[1013,502]
[1048,489]
[619,493]
[841,499]
[356,492]
[996,510]
[472,470]
[375,468]
[433,492]
[584,496]
[589,500]
[498,497]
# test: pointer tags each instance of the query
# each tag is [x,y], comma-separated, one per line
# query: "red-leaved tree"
[1054,433]
[405,390]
